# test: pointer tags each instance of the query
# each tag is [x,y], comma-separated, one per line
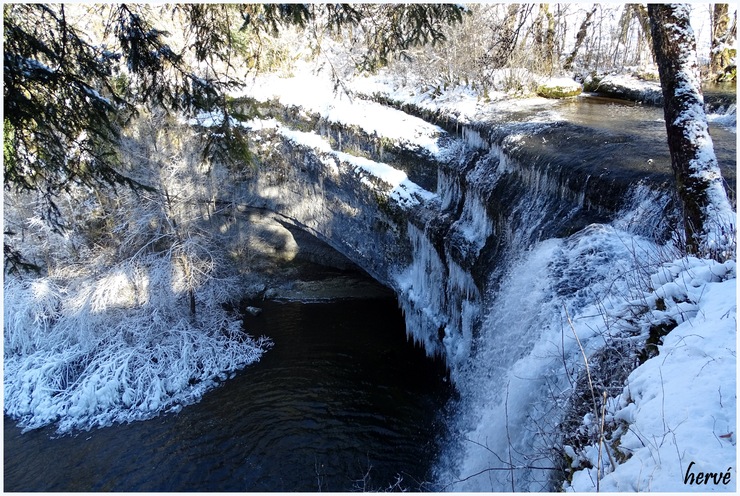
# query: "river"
[341,402]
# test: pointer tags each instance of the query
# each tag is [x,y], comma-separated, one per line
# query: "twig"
[585,360]
[508,437]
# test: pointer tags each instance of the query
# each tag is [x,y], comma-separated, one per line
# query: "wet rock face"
[438,230]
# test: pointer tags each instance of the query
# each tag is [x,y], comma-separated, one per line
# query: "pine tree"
[66,98]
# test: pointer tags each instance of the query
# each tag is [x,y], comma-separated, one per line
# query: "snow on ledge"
[317,95]
[402,190]
[376,175]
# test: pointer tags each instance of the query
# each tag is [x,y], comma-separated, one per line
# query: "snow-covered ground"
[315,94]
[676,417]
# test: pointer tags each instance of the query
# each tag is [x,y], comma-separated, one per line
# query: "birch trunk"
[709,219]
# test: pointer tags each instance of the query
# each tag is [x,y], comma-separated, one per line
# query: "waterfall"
[517,382]
[516,262]
[528,242]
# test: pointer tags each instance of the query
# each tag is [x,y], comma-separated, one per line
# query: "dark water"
[342,402]
[646,121]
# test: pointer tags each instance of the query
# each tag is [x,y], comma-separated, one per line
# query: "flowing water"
[342,401]
[516,386]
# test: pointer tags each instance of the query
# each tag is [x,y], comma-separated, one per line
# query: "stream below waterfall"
[341,402]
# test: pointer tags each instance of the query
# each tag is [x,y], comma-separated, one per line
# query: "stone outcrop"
[437,228]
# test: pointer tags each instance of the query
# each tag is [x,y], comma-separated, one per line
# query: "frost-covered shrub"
[115,347]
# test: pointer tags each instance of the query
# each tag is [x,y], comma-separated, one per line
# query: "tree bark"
[709,219]
[544,36]
[720,55]
[641,14]
[549,40]
[580,36]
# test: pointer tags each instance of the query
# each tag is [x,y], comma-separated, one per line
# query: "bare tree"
[708,215]
[722,37]
[580,36]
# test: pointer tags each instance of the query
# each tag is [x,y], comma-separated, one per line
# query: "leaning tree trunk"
[708,216]
[568,65]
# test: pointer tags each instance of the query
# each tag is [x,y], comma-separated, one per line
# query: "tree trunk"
[549,40]
[641,14]
[543,31]
[580,36]
[720,52]
[708,216]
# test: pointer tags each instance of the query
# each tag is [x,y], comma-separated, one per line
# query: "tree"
[722,38]
[708,217]
[64,105]
[580,36]
[544,37]
[67,94]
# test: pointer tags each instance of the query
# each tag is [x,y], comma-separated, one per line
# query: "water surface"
[341,402]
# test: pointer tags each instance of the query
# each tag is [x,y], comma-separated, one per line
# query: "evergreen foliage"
[66,96]
[58,127]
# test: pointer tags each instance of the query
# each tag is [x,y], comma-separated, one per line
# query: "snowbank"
[676,417]
[626,87]
[316,94]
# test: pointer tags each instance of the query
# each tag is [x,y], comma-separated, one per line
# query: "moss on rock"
[559,88]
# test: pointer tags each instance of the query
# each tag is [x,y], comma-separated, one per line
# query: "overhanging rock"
[490,192]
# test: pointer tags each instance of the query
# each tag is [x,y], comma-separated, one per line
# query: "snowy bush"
[116,347]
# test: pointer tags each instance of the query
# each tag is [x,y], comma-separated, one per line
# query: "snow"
[315,94]
[115,347]
[679,408]
[676,408]
[379,176]
[632,83]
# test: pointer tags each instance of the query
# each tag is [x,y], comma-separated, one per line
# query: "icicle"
[474,223]
[473,139]
[439,300]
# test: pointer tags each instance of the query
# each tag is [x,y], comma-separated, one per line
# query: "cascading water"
[523,247]
[511,346]
[517,382]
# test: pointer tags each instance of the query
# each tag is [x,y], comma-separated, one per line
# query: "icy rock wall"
[445,251]
[333,199]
